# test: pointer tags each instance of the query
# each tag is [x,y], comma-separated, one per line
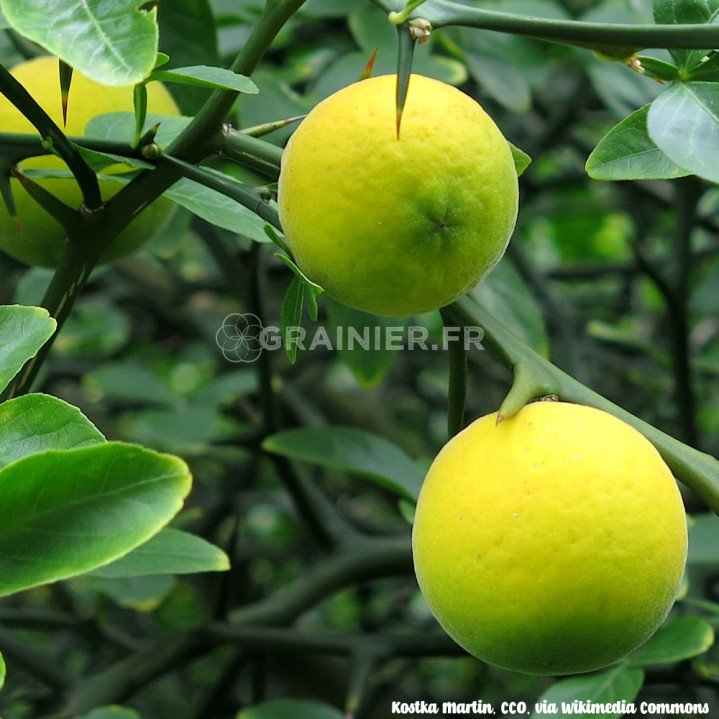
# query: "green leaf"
[521,159]
[295,708]
[685,12]
[114,42]
[312,289]
[188,35]
[111,711]
[297,271]
[32,286]
[684,123]
[351,450]
[99,161]
[323,9]
[211,205]
[658,69]
[627,152]
[3,668]
[23,331]
[36,422]
[621,90]
[708,70]
[506,83]
[291,315]
[225,389]
[139,95]
[96,328]
[503,292]
[407,510]
[186,607]
[681,639]
[607,687]
[710,607]
[141,594]
[370,29]
[68,512]
[218,209]
[368,364]
[704,539]
[206,76]
[277,239]
[128,381]
[185,429]
[275,100]
[502,62]
[121,126]
[171,551]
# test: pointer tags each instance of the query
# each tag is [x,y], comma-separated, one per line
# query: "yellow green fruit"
[397,226]
[40,239]
[552,543]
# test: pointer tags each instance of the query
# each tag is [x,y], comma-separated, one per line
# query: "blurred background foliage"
[593,280]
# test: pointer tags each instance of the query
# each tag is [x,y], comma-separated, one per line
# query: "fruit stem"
[139,98]
[530,382]
[401,16]
[695,469]
[457,395]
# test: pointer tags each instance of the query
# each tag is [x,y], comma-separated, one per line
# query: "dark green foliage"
[306,457]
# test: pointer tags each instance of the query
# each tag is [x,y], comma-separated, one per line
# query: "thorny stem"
[457,396]
[229,187]
[38,665]
[201,138]
[388,645]
[128,675]
[27,145]
[50,132]
[697,470]
[367,560]
[441,13]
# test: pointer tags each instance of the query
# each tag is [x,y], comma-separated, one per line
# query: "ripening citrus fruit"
[40,239]
[552,543]
[397,226]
